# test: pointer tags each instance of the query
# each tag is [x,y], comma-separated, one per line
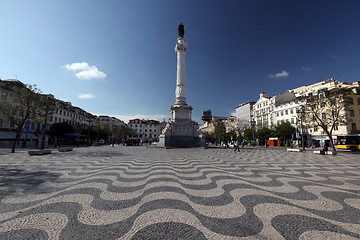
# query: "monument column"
[180,92]
[180,130]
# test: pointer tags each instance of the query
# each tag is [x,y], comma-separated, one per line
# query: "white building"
[146,130]
[286,108]
[263,111]
[110,120]
[65,112]
[243,112]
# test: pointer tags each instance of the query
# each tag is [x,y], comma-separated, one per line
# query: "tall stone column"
[180,130]
[180,92]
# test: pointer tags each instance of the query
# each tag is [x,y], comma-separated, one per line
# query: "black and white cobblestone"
[149,193]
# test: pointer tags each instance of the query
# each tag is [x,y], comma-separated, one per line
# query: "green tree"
[209,137]
[231,135]
[24,105]
[120,132]
[60,129]
[248,134]
[285,131]
[97,128]
[327,109]
[263,134]
[220,131]
[47,107]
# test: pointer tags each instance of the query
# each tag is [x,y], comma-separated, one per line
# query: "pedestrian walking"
[325,149]
[236,146]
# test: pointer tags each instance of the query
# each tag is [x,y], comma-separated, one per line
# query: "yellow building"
[351,112]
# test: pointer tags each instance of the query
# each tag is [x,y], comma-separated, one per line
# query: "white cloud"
[306,68]
[126,118]
[85,71]
[77,66]
[279,75]
[86,95]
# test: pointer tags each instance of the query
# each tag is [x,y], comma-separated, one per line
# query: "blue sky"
[116,57]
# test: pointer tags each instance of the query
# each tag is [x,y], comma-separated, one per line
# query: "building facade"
[244,112]
[62,112]
[146,130]
[288,107]
[263,111]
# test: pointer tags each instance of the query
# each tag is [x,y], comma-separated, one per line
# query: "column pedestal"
[180,130]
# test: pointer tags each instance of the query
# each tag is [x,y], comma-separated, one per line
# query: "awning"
[11,135]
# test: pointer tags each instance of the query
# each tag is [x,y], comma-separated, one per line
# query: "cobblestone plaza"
[151,193]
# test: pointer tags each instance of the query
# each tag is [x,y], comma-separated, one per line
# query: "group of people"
[131,142]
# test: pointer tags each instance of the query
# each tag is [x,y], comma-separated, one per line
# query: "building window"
[353,126]
[291,111]
[292,120]
[358,101]
[282,113]
[286,112]
[336,127]
[277,114]
[12,125]
[51,118]
[351,100]
[1,122]
[323,115]
[315,128]
[4,96]
[334,114]
[352,113]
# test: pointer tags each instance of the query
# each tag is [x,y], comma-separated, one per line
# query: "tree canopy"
[327,109]
[285,131]
[25,105]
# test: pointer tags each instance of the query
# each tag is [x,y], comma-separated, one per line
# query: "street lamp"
[300,117]
[253,128]
[88,133]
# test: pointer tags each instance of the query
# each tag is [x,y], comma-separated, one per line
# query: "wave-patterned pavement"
[148,193]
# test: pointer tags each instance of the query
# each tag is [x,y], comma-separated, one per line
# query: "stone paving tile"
[149,193]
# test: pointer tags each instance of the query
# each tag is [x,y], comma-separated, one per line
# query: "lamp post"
[300,117]
[88,133]
[253,128]
[46,113]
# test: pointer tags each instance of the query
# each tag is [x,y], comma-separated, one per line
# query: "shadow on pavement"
[15,179]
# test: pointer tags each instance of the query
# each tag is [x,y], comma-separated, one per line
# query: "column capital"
[181,45]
